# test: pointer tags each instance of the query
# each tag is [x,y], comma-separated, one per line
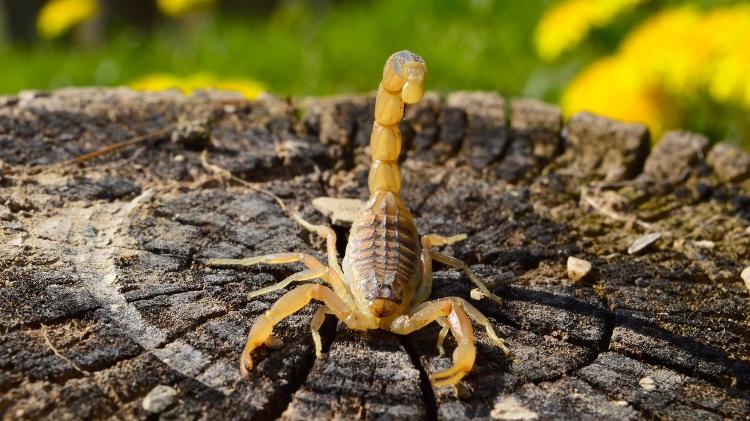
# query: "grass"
[299,51]
[467,45]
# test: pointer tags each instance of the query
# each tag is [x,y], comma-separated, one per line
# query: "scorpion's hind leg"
[460,326]
[483,321]
[315,270]
[269,259]
[330,235]
[427,255]
[288,304]
[305,275]
[429,241]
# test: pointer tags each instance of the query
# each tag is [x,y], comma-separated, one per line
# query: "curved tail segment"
[403,82]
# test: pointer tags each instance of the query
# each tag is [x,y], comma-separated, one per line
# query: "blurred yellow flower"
[178,7]
[611,87]
[569,22]
[57,16]
[679,53]
[250,89]
[660,37]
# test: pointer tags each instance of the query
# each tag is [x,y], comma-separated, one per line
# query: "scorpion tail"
[403,82]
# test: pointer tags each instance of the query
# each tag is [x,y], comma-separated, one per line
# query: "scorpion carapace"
[387,269]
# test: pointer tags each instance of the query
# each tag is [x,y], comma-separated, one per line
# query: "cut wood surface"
[104,297]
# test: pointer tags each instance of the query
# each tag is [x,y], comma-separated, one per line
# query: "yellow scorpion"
[387,271]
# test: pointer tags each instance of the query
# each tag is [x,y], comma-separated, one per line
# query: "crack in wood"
[97,270]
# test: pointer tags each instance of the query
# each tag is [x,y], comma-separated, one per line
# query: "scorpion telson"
[387,269]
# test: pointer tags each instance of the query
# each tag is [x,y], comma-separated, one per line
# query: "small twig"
[610,213]
[59,354]
[103,151]
[117,146]
[225,174]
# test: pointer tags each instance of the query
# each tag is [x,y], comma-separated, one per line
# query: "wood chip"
[339,211]
[647,383]
[745,275]
[476,294]
[704,244]
[578,268]
[509,408]
[159,399]
[621,403]
[642,242]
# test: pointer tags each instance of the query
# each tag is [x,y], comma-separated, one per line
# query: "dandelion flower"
[569,22]
[57,16]
[250,89]
[611,87]
[179,7]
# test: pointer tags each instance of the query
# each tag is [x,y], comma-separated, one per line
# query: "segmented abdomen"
[384,249]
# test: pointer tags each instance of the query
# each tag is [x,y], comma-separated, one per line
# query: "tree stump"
[103,296]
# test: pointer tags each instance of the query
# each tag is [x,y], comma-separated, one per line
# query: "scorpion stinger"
[386,275]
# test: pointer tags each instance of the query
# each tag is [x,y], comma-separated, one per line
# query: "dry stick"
[123,144]
[119,145]
[59,354]
[227,175]
[105,150]
[610,213]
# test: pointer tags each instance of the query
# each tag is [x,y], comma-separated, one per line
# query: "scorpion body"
[383,251]
[387,269]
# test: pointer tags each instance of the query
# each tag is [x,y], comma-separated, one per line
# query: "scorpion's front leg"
[290,303]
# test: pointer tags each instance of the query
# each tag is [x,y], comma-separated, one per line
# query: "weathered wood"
[535,130]
[486,130]
[600,148]
[103,295]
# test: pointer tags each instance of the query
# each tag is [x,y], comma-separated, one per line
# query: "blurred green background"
[668,64]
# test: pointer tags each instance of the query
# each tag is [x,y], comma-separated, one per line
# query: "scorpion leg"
[330,235]
[483,321]
[313,264]
[451,309]
[317,321]
[269,259]
[461,265]
[429,241]
[290,303]
[305,275]
[445,328]
[434,240]
[438,240]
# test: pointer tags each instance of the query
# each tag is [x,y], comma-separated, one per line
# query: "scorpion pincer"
[386,274]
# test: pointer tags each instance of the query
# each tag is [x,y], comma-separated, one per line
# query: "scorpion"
[385,278]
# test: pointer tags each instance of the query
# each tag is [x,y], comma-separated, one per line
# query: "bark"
[103,295]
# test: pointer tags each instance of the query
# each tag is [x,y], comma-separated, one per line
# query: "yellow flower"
[679,53]
[178,7]
[659,46]
[568,23]
[250,89]
[57,16]
[612,87]
[731,82]
[689,51]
